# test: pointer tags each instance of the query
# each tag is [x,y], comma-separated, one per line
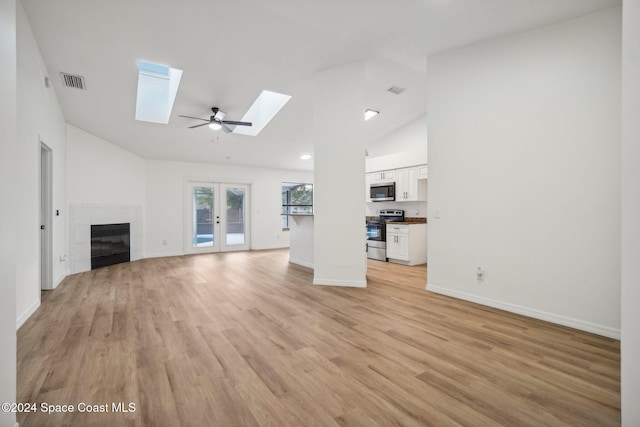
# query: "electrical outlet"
[480,274]
[164,242]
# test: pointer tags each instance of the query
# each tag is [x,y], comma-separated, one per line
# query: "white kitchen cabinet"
[398,243]
[422,172]
[411,183]
[381,176]
[407,243]
[408,187]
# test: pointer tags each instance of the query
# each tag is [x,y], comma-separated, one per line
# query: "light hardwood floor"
[244,339]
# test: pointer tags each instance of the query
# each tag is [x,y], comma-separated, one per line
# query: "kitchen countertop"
[407,220]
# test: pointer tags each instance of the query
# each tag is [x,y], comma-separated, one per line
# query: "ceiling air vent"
[69,80]
[395,90]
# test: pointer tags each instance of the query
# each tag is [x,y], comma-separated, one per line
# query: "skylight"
[157,89]
[369,114]
[264,108]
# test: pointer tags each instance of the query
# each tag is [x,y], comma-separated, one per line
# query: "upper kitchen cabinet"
[410,183]
[422,172]
[409,186]
[382,176]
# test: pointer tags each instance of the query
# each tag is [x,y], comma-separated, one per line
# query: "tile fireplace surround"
[81,217]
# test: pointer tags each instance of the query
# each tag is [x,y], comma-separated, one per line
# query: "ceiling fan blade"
[225,128]
[197,126]
[231,122]
[196,118]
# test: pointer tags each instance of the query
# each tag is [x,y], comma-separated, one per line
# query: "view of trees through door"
[219,215]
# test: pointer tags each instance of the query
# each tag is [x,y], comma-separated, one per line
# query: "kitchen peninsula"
[301,240]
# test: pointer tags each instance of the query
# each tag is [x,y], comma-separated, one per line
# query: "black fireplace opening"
[110,244]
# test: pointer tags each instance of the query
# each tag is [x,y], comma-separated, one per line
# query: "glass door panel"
[235,216]
[203,211]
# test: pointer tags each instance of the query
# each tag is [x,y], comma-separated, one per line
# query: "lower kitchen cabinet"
[407,243]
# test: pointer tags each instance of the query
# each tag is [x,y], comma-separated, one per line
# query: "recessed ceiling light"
[370,113]
[305,156]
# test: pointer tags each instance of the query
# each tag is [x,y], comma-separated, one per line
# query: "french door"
[218,217]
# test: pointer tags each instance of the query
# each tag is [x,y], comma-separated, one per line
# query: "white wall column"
[8,207]
[339,206]
[630,213]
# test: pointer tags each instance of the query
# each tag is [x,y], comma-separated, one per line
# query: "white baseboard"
[58,281]
[265,248]
[24,316]
[162,254]
[346,283]
[529,312]
[301,262]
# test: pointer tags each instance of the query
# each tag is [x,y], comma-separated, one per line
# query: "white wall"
[630,214]
[99,172]
[8,201]
[165,202]
[39,119]
[405,147]
[524,174]
[301,240]
[339,174]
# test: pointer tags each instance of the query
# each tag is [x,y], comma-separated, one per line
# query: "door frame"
[46,217]
[220,185]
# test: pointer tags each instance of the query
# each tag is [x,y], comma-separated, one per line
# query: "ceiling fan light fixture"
[215,126]
[219,115]
[370,113]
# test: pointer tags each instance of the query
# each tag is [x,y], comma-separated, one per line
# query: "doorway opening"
[46,235]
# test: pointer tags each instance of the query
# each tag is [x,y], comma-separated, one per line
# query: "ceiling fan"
[217,122]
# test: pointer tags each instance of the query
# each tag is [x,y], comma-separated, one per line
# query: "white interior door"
[218,217]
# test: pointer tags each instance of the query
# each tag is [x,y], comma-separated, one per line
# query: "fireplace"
[110,244]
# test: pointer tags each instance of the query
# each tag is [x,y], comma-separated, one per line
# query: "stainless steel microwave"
[382,192]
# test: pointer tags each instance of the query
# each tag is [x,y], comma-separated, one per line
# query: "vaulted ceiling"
[231,50]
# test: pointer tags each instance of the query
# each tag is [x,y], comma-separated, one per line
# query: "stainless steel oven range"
[377,232]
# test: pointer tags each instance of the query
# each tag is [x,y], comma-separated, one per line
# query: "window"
[263,109]
[157,89]
[297,199]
